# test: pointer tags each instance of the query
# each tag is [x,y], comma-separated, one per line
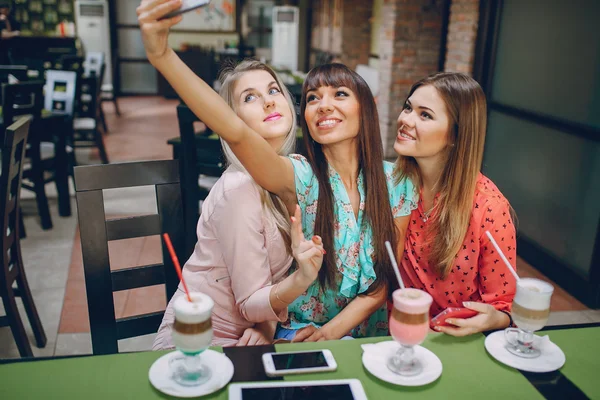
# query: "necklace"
[426,214]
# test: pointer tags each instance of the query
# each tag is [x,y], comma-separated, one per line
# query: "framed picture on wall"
[218,16]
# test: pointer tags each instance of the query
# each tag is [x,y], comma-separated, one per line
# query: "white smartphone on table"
[298,362]
[188,5]
[339,389]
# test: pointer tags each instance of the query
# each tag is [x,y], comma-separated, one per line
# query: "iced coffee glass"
[409,325]
[192,334]
[530,311]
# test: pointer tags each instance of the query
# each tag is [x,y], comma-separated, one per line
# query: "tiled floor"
[53,258]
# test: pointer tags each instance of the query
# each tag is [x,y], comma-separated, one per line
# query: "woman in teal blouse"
[346,191]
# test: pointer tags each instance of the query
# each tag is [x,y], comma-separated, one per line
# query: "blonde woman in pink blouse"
[244,247]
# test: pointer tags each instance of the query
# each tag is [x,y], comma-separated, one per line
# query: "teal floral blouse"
[353,244]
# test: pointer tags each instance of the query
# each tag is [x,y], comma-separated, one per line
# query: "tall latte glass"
[409,325]
[192,334]
[530,311]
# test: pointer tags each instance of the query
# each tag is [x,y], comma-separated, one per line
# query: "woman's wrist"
[160,61]
[301,281]
[503,319]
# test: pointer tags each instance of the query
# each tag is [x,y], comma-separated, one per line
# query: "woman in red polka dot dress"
[440,142]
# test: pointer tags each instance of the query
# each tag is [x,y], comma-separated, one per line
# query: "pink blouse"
[239,255]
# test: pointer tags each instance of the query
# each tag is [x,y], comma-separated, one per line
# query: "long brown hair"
[466,107]
[272,204]
[378,213]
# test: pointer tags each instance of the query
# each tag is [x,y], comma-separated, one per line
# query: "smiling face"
[423,125]
[260,103]
[332,114]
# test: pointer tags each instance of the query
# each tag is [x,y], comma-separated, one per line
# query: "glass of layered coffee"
[530,311]
[409,325]
[192,334]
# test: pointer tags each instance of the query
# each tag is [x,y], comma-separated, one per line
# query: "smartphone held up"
[186,6]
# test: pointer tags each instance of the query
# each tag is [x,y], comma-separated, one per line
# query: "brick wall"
[342,28]
[356,45]
[409,50]
[462,36]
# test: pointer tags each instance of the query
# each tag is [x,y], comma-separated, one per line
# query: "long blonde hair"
[270,202]
[466,107]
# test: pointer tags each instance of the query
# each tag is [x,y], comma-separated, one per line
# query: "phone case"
[188,5]
[452,312]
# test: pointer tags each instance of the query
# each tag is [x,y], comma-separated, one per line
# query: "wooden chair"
[96,231]
[70,62]
[94,65]
[10,72]
[12,271]
[26,99]
[201,162]
[85,124]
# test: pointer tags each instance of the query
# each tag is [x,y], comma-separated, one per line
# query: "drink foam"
[199,310]
[533,294]
[412,301]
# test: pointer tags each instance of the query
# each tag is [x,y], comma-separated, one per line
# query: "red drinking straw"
[176,263]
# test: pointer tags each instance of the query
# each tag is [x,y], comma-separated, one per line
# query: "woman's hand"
[309,333]
[308,253]
[155,33]
[488,319]
[253,337]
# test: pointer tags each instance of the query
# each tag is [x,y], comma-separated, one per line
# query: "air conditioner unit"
[92,20]
[285,37]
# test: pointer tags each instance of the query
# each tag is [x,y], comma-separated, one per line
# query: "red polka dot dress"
[478,273]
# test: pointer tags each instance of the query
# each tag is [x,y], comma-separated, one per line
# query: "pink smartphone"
[451,312]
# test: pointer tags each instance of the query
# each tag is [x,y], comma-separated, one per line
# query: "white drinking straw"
[388,246]
[502,255]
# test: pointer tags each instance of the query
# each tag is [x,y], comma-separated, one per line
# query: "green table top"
[469,372]
[582,349]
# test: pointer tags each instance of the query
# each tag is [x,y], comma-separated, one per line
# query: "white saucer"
[375,361]
[551,359]
[221,368]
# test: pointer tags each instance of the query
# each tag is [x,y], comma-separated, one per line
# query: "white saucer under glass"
[375,357]
[161,375]
[550,359]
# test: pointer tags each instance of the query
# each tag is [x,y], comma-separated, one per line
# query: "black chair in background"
[85,125]
[27,99]
[12,271]
[17,71]
[202,162]
[96,232]
[69,62]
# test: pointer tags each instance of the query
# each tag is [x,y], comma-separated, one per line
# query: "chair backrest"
[199,155]
[25,98]
[59,96]
[96,232]
[89,94]
[70,62]
[93,63]
[13,153]
[19,72]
